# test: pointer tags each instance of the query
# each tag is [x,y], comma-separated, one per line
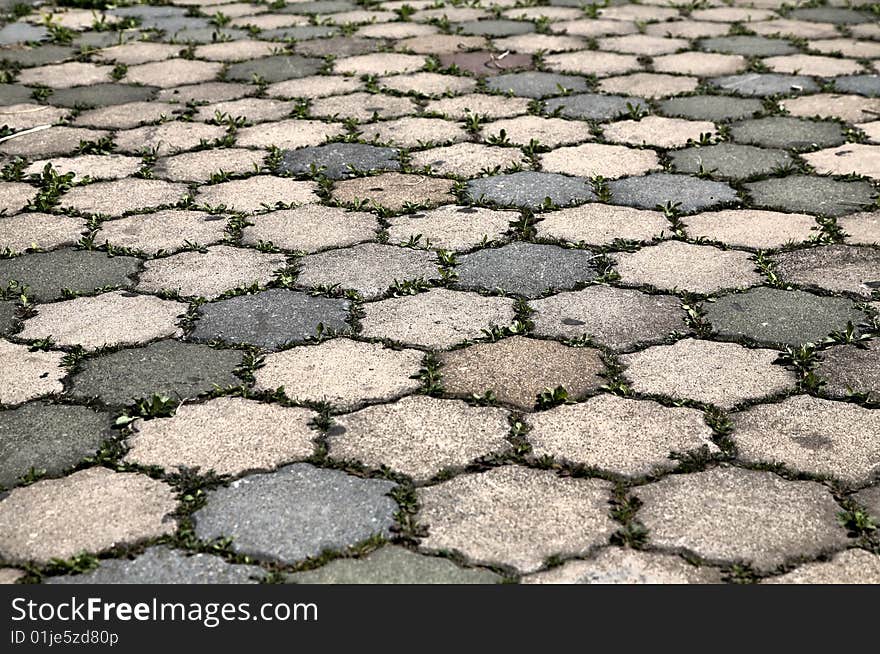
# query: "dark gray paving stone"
[80,271]
[173,23]
[147,12]
[162,565]
[860,84]
[851,369]
[171,368]
[837,15]
[777,317]
[275,69]
[527,269]
[690,193]
[339,46]
[529,189]
[592,106]
[764,84]
[711,107]
[21,33]
[45,54]
[101,95]
[788,133]
[537,84]
[7,317]
[50,437]
[319,7]
[814,195]
[493,28]
[104,39]
[301,32]
[338,159]
[729,160]
[297,512]
[270,319]
[748,46]
[15,94]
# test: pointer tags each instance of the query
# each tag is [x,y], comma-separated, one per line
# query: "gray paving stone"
[852,566]
[749,46]
[711,107]
[297,512]
[15,94]
[270,319]
[837,268]
[49,53]
[339,46]
[340,160]
[729,160]
[870,499]
[764,84]
[101,95]
[171,368]
[691,194]
[22,32]
[861,84]
[495,27]
[592,106]
[851,369]
[7,317]
[301,32]
[529,189]
[810,194]
[836,15]
[788,133]
[274,69]
[537,84]
[778,317]
[48,437]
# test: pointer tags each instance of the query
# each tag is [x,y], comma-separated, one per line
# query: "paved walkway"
[341,290]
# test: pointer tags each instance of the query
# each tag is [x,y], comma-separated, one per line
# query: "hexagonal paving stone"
[394,190]
[340,160]
[39,230]
[297,512]
[523,130]
[711,107]
[413,132]
[342,372]
[774,316]
[764,84]
[121,196]
[311,227]
[592,106]
[616,317]
[479,104]
[270,319]
[274,69]
[658,131]
[90,510]
[649,85]
[102,95]
[437,319]
[383,63]
[860,228]
[687,193]
[48,274]
[291,133]
[171,368]
[845,268]
[751,228]
[851,369]
[467,159]
[93,166]
[810,194]
[813,435]
[730,514]
[674,265]
[498,367]
[496,27]
[592,159]
[202,165]
[530,189]
[260,193]
[169,138]
[602,224]
[862,84]
[167,230]
[393,564]
[427,84]
[117,318]
[788,133]
[729,160]
[451,227]
[852,158]
[55,141]
[49,438]
[483,63]
[852,566]
[516,516]
[25,375]
[370,269]
[849,108]
[535,84]
[750,46]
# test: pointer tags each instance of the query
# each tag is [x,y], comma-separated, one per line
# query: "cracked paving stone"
[723,374]
[788,133]
[437,319]
[811,194]
[311,227]
[619,318]
[522,130]
[657,131]
[852,566]
[617,565]
[39,231]
[770,315]
[451,227]
[419,436]
[341,372]
[229,435]
[851,369]
[530,190]
[498,367]
[116,318]
[711,107]
[674,265]
[170,368]
[592,106]
[516,516]
[48,437]
[599,159]
[763,85]
[729,160]
[297,512]
[91,510]
[274,69]
[838,268]
[270,319]
[536,84]
[163,230]
[731,514]
[751,228]
[527,269]
[121,196]
[211,273]
[688,193]
[395,191]
[25,375]
[48,275]
[163,565]
[602,224]
[750,46]
[340,160]
[393,564]
[467,159]
[852,158]
[257,193]
[202,165]
[812,435]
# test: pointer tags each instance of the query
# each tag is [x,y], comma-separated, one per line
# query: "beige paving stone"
[658,131]
[384,63]
[269,21]
[617,565]
[437,319]
[849,108]
[94,166]
[533,42]
[57,140]
[549,132]
[229,435]
[255,110]
[638,13]
[467,159]
[649,85]
[311,227]
[551,13]
[478,104]
[451,227]
[166,230]
[428,83]
[117,197]
[414,132]
[802,64]
[751,228]
[15,196]
[846,268]
[846,47]
[126,116]
[64,76]
[642,44]
[10,575]
[288,134]
[516,516]
[199,166]
[173,72]
[852,566]
[594,28]
[814,435]
[168,138]
[205,92]
[700,63]
[39,231]
[602,224]
[91,510]
[137,52]
[25,375]
[395,30]
[453,14]
[314,87]
[849,158]
[395,190]
[871,130]
[240,50]
[724,374]
[116,318]
[27,115]
[363,16]
[441,43]
[361,106]
[420,436]
[731,514]
[593,159]
[733,14]
[258,193]
[798,28]
[687,29]
[865,31]
[860,228]
[592,62]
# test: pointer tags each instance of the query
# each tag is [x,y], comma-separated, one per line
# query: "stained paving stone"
[102,95]
[516,516]
[340,160]
[530,190]
[599,159]
[788,133]
[163,565]
[451,227]
[48,437]
[862,84]
[394,190]
[273,69]
[688,193]
[729,160]
[166,368]
[167,230]
[270,319]
[616,317]
[121,196]
[311,227]
[658,131]
[394,564]
[853,566]
[807,193]
[711,107]
[602,224]
[25,375]
[330,511]
[486,64]
[852,158]
[437,319]
[764,84]
[340,46]
[850,370]
[536,84]
[592,106]
[91,510]
[419,436]
[840,268]
[48,275]
[704,513]
[751,228]
[617,565]
[750,46]
[259,193]
[774,316]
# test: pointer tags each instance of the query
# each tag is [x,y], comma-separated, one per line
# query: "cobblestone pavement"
[474,292]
